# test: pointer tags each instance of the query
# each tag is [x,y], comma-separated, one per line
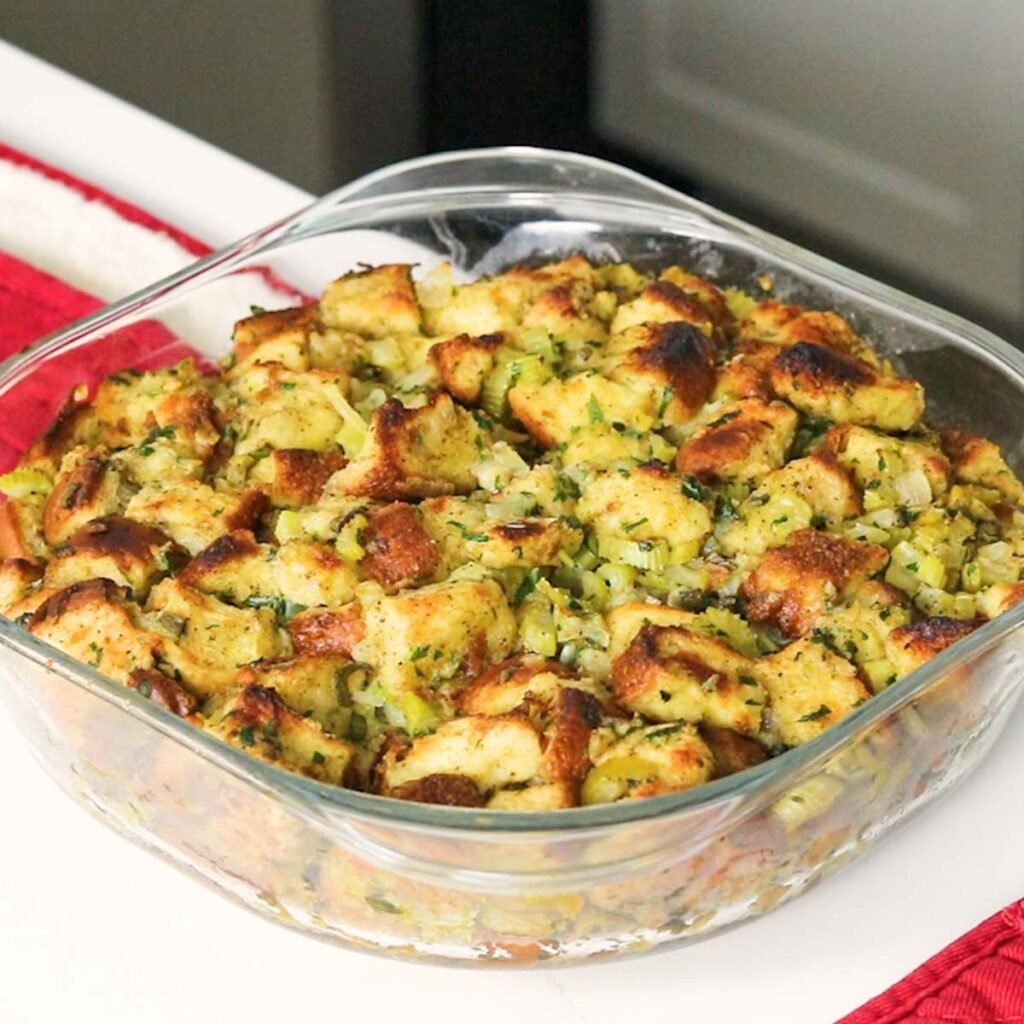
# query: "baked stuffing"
[561,536]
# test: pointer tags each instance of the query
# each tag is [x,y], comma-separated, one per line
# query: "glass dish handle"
[512,168]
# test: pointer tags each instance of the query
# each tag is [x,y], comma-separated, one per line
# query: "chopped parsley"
[246,736]
[813,716]
[594,410]
[282,607]
[632,526]
[467,534]
[693,488]
[418,652]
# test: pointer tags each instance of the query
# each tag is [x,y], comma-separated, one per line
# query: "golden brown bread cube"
[399,551]
[663,302]
[793,586]
[118,549]
[294,477]
[378,302]
[810,687]
[256,720]
[746,440]
[94,621]
[820,381]
[280,336]
[673,673]
[414,453]
[87,486]
[911,646]
[17,578]
[785,325]
[673,362]
[463,364]
[976,460]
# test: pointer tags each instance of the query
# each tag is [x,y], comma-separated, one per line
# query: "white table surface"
[92,929]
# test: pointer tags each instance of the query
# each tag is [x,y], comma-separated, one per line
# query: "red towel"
[979,979]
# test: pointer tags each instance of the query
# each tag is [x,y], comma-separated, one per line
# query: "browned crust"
[300,473]
[398,549]
[518,671]
[732,751]
[252,504]
[331,632]
[81,595]
[252,331]
[77,490]
[232,547]
[463,363]
[444,788]
[673,300]
[194,417]
[653,652]
[818,370]
[12,541]
[124,540]
[60,434]
[790,586]
[516,531]
[742,427]
[164,691]
[684,357]
[576,714]
[923,640]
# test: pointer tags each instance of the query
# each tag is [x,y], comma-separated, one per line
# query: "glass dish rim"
[310,797]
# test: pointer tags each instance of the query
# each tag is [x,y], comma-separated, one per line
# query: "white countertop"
[94,930]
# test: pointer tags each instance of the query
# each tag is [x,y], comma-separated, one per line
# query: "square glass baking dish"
[481,887]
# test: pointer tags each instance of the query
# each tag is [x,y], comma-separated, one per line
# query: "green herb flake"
[318,758]
[693,488]
[97,652]
[257,310]
[594,410]
[418,652]
[246,737]
[632,526]
[467,534]
[813,716]
[527,587]
[667,395]
[287,385]
[382,905]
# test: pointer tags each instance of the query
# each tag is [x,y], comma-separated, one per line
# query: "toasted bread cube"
[631,761]
[810,687]
[504,687]
[312,685]
[710,296]
[976,460]
[399,551]
[995,600]
[21,520]
[493,750]
[164,691]
[911,646]
[193,514]
[377,303]
[328,632]
[626,620]
[481,307]
[794,585]
[663,302]
[428,635]
[117,549]
[803,492]
[565,312]
[132,408]
[283,409]
[280,336]
[18,577]
[463,533]
[554,411]
[256,720]
[464,363]
[785,326]
[644,506]
[88,485]
[304,572]
[732,752]
[674,363]
[215,639]
[294,477]
[745,375]
[74,425]
[414,453]
[744,442]
[673,673]
[890,471]
[94,622]
[820,381]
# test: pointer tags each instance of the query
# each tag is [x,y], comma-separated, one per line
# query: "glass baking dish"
[496,887]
